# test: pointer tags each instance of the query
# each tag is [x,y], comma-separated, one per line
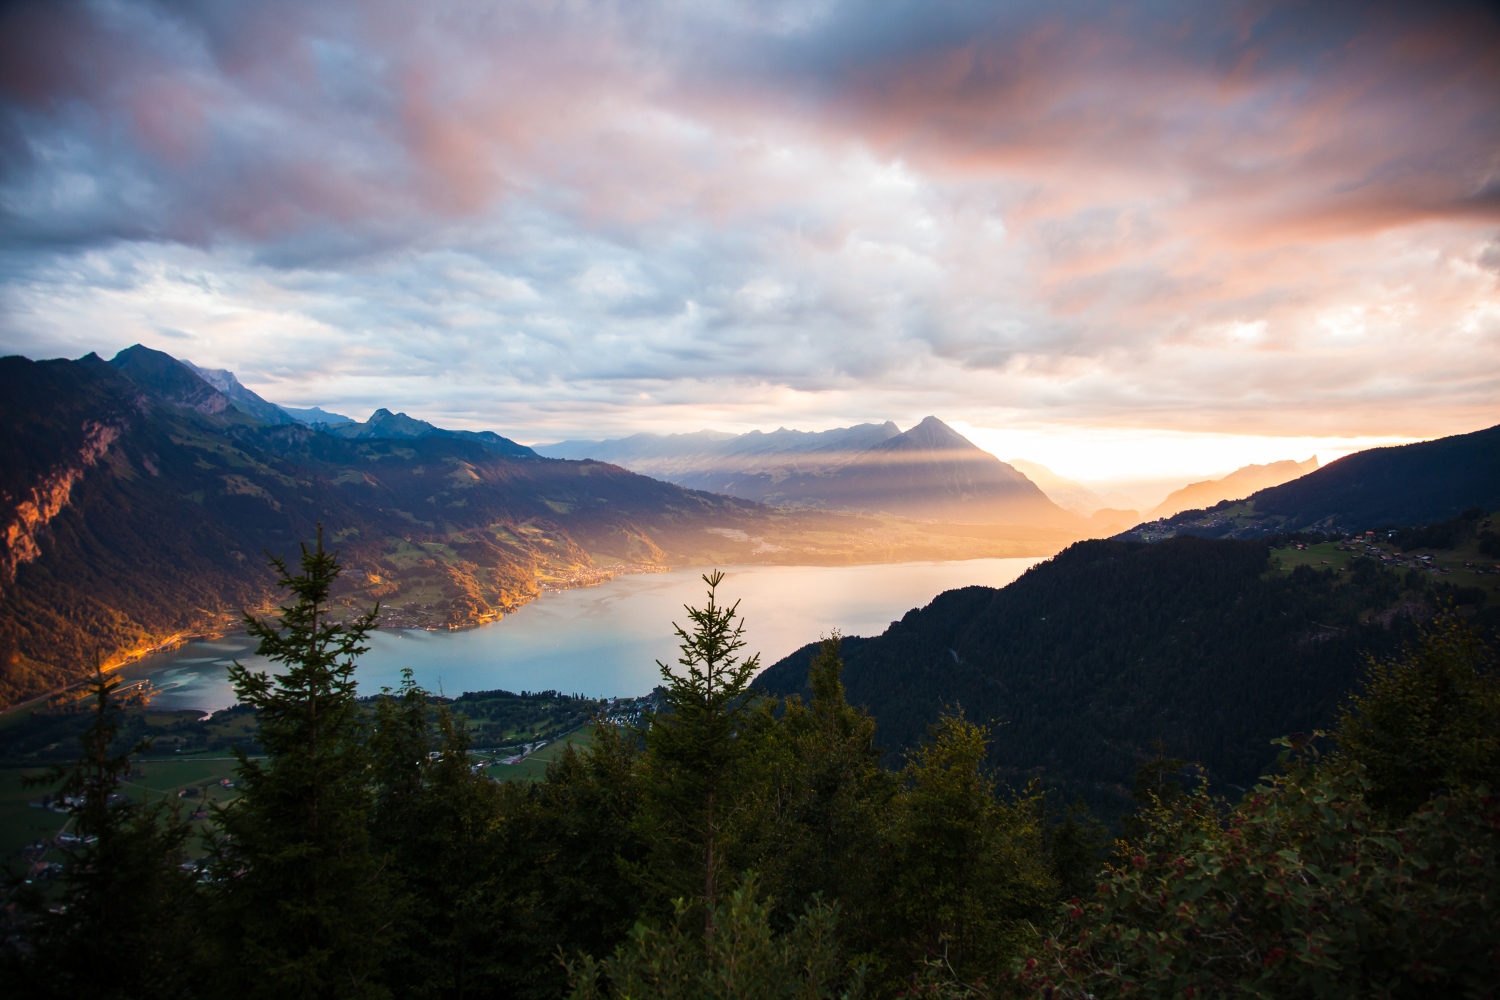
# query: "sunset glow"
[1127,241]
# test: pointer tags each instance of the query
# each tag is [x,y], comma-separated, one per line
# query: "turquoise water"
[604,641]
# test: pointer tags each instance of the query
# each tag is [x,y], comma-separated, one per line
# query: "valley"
[142,503]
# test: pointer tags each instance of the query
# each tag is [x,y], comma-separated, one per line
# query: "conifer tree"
[828,794]
[967,869]
[695,755]
[301,897]
[124,923]
[746,959]
[575,850]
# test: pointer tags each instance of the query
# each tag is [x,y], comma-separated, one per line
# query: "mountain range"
[928,471]
[138,501]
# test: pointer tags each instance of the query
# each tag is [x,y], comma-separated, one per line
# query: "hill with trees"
[1404,485]
[1095,657]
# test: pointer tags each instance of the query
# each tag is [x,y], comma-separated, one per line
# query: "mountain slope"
[1411,484]
[138,504]
[387,425]
[243,399]
[1066,493]
[1237,485]
[1089,657]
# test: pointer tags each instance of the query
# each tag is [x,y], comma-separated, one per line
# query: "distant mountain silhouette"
[171,380]
[729,463]
[930,471]
[385,425]
[1413,484]
[1236,486]
[316,415]
[1064,492]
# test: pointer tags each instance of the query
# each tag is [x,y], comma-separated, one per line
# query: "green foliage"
[300,897]
[1426,720]
[824,795]
[123,922]
[1092,656]
[1447,534]
[369,855]
[1299,891]
[745,959]
[442,832]
[694,768]
[577,852]
[1075,844]
[968,871]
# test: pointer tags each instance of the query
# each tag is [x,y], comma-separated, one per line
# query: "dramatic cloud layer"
[1265,220]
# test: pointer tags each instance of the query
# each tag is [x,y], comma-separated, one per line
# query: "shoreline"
[428,623]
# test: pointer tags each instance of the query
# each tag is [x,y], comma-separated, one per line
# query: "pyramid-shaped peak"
[932,434]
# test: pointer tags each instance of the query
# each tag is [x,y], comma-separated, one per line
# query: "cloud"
[560,218]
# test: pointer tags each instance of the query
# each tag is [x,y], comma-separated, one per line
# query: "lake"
[603,641]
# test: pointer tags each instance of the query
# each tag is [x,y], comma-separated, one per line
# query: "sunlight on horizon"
[1106,455]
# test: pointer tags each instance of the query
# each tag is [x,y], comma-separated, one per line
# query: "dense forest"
[738,844]
[1094,657]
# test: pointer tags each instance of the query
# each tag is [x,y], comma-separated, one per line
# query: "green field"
[534,767]
[1462,566]
[199,777]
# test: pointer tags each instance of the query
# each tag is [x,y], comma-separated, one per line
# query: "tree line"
[740,845]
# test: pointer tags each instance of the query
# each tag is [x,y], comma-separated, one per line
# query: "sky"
[1122,240]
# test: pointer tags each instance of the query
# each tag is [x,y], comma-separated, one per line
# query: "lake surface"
[603,641]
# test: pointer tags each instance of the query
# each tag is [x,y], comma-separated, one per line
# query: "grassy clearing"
[1462,566]
[534,767]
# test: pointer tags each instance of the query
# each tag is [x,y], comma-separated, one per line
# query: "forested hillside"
[1091,657]
[1405,485]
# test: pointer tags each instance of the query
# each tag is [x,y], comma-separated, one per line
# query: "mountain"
[137,503]
[385,425]
[241,398]
[1412,484]
[316,415]
[1238,484]
[928,472]
[713,460]
[1091,656]
[170,380]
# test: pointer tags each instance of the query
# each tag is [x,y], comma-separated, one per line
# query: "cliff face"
[39,504]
